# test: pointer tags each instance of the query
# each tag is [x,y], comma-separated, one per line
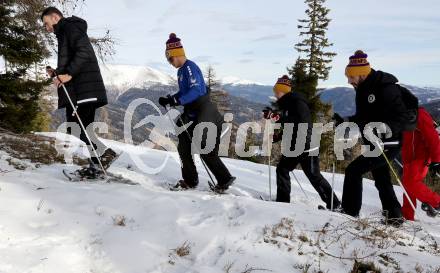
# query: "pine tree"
[219,96]
[313,65]
[314,28]
[20,85]
[24,45]
[305,83]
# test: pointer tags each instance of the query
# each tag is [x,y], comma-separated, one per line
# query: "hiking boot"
[221,188]
[338,209]
[430,210]
[108,157]
[183,186]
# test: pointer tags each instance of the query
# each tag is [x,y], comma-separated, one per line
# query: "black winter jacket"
[203,110]
[379,99]
[77,58]
[295,109]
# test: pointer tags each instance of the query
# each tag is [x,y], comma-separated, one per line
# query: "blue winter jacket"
[191,83]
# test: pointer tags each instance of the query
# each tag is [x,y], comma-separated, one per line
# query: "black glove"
[338,119]
[277,137]
[168,100]
[435,167]
[268,113]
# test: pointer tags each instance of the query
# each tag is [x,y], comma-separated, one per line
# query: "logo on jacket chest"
[371,98]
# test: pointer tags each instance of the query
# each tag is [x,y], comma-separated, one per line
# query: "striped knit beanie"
[283,85]
[358,65]
[174,47]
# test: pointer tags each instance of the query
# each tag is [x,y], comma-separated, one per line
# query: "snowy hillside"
[50,225]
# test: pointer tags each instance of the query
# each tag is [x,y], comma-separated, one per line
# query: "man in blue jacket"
[198,108]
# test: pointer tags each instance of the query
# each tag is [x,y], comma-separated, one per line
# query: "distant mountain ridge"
[120,78]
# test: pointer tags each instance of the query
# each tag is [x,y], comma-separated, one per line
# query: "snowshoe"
[183,186]
[221,188]
[430,210]
[83,174]
[91,173]
[335,209]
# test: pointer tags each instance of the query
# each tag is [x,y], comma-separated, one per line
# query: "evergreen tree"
[306,83]
[314,28]
[24,45]
[314,65]
[20,85]
[219,96]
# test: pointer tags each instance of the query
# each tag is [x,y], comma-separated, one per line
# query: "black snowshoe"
[221,188]
[92,173]
[335,209]
[430,210]
[89,173]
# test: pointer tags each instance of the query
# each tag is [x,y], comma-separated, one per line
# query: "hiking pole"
[398,163]
[269,164]
[299,184]
[333,185]
[75,112]
[397,178]
[190,138]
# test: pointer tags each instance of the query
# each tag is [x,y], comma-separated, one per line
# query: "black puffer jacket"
[77,58]
[379,99]
[295,109]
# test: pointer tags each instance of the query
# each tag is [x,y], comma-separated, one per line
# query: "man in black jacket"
[295,111]
[78,70]
[378,99]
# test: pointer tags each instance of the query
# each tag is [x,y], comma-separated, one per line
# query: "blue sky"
[254,39]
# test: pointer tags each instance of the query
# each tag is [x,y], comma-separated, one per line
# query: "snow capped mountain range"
[120,78]
[231,80]
[124,77]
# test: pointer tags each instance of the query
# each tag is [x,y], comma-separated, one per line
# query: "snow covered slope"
[50,225]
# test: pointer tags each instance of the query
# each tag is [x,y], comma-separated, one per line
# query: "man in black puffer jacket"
[296,111]
[79,71]
[378,99]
